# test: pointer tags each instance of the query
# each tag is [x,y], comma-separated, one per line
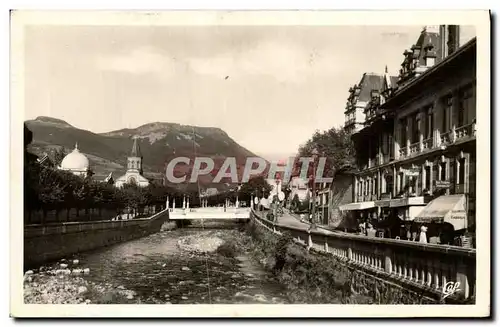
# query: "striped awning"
[357,206]
[446,208]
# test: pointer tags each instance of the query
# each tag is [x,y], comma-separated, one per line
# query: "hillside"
[159,143]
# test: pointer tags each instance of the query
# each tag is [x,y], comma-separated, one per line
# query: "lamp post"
[261,206]
[313,209]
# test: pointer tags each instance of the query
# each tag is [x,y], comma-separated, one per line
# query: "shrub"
[228,249]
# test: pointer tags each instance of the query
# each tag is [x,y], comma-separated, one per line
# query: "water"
[158,271]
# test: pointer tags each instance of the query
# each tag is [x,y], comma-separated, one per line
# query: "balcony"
[428,143]
[445,138]
[403,152]
[465,131]
[414,148]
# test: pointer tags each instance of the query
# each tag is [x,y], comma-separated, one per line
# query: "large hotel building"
[415,136]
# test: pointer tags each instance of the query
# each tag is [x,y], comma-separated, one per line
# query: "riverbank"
[313,277]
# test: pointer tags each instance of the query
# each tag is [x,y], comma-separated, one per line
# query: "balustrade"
[414,148]
[428,266]
[403,152]
[464,131]
[427,144]
[445,138]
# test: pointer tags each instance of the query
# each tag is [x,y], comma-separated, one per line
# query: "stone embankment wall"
[43,243]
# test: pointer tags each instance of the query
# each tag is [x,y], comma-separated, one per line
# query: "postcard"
[250,164]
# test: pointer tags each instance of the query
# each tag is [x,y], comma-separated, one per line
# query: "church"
[134,174]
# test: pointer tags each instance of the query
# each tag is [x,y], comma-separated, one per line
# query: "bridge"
[209,213]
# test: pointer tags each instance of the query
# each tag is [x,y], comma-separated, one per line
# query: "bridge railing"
[421,266]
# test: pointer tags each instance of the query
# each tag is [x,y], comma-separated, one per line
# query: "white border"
[478,18]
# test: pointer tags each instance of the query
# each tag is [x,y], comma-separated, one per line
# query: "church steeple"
[134,161]
[136,151]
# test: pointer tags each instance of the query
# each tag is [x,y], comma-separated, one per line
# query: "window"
[388,184]
[414,128]
[429,126]
[465,106]
[461,171]
[427,177]
[446,112]
[391,146]
[443,171]
[403,131]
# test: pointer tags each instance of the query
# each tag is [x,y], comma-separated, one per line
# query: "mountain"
[159,143]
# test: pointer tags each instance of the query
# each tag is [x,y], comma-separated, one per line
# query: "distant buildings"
[78,164]
[134,169]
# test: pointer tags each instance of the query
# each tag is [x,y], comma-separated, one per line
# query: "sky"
[268,87]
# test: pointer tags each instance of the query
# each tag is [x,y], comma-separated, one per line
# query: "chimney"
[449,39]
[453,38]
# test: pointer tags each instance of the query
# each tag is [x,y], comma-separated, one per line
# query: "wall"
[342,193]
[54,241]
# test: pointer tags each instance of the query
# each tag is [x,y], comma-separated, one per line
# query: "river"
[164,268]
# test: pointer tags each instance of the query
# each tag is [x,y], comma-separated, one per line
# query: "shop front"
[404,211]
[363,212]
[447,216]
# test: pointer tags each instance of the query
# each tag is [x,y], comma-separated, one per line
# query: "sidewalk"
[289,220]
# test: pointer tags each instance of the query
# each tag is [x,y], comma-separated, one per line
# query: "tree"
[59,155]
[335,144]
[254,186]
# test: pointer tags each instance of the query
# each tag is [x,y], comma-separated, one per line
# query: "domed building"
[76,163]
[134,172]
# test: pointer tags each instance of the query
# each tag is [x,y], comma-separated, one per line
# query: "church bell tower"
[134,161]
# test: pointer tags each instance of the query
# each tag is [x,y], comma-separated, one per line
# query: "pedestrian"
[423,235]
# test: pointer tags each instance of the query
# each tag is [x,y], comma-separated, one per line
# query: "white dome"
[75,161]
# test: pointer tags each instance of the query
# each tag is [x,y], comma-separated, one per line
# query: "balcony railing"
[403,152]
[428,143]
[445,138]
[464,131]
[414,148]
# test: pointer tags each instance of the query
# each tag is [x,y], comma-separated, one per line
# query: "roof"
[369,82]
[136,150]
[427,37]
[394,80]
[103,178]
[468,48]
[75,160]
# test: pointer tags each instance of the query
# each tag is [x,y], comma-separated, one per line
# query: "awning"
[357,206]
[446,208]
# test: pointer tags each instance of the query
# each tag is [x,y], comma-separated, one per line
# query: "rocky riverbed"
[173,266]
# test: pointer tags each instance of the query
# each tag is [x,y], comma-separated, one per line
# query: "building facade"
[417,148]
